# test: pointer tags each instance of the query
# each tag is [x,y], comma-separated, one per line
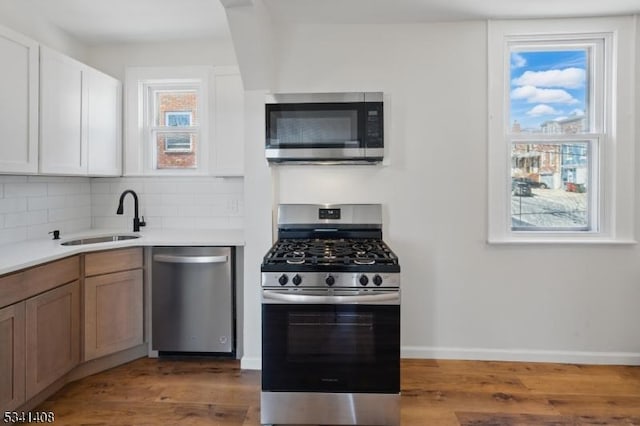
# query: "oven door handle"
[390,298]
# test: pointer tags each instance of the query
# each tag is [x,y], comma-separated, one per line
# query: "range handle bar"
[386,298]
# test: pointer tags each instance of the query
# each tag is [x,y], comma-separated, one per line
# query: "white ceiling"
[397,11]
[130,21]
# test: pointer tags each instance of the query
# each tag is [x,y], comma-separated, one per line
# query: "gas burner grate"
[339,251]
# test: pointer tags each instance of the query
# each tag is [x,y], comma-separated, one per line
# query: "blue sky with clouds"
[547,85]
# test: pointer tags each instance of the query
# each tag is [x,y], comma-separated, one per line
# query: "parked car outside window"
[521,189]
[532,183]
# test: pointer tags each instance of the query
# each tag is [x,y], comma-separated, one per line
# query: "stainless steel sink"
[102,239]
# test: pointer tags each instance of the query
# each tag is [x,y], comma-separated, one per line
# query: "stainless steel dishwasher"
[192,300]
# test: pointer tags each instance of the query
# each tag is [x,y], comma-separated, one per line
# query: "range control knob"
[377,279]
[283,279]
[297,279]
[330,280]
[363,280]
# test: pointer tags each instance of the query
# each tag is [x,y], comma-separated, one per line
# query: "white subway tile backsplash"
[13,205]
[195,211]
[160,186]
[37,217]
[69,213]
[15,220]
[12,179]
[100,188]
[37,203]
[25,190]
[170,222]
[49,179]
[236,223]
[13,235]
[160,211]
[65,188]
[178,199]
[211,222]
[31,206]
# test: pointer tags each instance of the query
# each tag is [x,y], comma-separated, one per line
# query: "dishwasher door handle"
[168,258]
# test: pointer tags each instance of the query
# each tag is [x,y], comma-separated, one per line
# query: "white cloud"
[570,78]
[577,111]
[517,60]
[535,95]
[542,109]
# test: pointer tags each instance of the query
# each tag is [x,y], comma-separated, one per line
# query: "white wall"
[20,16]
[170,203]
[462,298]
[113,59]
[30,207]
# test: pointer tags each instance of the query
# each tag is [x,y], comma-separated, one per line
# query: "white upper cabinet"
[63,144]
[228,149]
[80,116]
[18,103]
[104,118]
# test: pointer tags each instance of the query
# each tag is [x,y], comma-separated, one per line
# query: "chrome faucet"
[137,223]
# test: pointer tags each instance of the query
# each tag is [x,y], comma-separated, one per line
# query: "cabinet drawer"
[22,285]
[113,260]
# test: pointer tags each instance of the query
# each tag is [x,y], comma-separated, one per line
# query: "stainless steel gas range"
[330,319]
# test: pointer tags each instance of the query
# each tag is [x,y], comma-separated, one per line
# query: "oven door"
[325,347]
[324,131]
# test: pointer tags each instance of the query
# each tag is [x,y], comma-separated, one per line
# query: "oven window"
[330,348]
[314,128]
[323,337]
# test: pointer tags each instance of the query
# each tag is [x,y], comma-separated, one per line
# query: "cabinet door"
[228,149]
[18,103]
[113,313]
[12,357]
[104,134]
[53,336]
[63,144]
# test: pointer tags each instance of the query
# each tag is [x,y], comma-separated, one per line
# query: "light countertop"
[16,256]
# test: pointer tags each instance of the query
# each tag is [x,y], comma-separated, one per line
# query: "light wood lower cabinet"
[113,301]
[53,336]
[12,356]
[113,314]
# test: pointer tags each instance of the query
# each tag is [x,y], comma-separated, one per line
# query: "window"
[556,113]
[556,130]
[173,128]
[178,142]
[171,111]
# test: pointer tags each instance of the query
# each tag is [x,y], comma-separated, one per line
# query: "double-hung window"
[558,135]
[170,107]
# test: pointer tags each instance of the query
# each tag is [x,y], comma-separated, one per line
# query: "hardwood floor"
[434,392]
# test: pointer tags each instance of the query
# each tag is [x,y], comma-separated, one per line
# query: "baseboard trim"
[483,354]
[248,363]
[524,355]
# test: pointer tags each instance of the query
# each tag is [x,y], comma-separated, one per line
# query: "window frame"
[140,149]
[612,145]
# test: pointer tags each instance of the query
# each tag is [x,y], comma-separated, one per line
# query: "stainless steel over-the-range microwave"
[325,127]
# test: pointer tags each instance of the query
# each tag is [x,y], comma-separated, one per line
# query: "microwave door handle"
[341,300]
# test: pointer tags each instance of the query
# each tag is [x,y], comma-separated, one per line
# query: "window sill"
[527,240]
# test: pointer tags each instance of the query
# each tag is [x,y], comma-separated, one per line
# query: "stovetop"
[330,255]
